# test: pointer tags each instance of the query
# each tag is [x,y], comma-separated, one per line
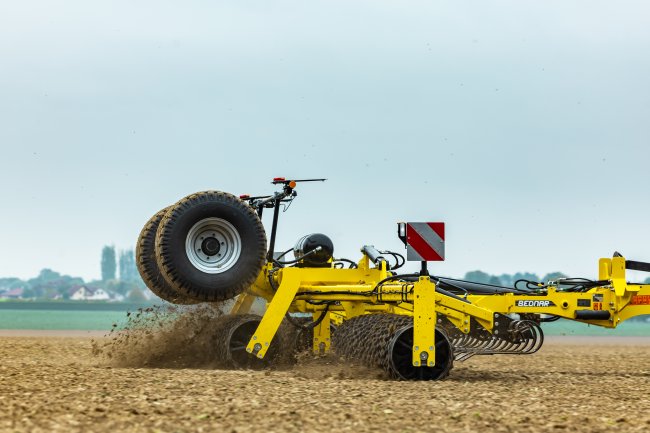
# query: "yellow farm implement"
[211,246]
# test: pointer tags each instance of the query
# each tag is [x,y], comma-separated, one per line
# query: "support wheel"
[145,257]
[232,336]
[386,341]
[400,352]
[211,246]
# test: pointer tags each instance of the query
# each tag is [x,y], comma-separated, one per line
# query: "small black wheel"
[145,256]
[211,246]
[400,352]
[233,332]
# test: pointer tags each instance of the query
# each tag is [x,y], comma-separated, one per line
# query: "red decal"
[439,228]
[422,247]
[640,300]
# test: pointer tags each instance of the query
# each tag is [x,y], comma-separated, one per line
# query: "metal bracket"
[424,322]
[275,312]
[322,338]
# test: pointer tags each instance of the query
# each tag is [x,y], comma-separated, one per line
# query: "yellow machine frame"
[362,291]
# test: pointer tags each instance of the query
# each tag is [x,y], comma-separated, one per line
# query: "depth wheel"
[400,352]
[232,337]
[145,258]
[211,246]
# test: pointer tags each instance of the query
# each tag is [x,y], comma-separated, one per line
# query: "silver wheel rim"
[213,230]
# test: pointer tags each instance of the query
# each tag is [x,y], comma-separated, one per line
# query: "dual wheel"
[208,247]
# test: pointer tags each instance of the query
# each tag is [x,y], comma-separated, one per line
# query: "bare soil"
[590,385]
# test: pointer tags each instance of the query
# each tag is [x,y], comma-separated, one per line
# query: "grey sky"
[523,125]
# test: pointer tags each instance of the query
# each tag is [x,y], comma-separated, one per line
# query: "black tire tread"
[145,258]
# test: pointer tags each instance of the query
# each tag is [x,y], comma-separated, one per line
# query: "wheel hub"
[213,245]
[210,246]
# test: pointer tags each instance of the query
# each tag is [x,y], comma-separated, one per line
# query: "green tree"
[11,283]
[119,286]
[506,279]
[478,277]
[525,276]
[494,280]
[136,295]
[108,263]
[49,283]
[47,275]
[128,271]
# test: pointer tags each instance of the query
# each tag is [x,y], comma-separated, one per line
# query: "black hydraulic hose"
[415,277]
[482,288]
[451,295]
[291,262]
[395,277]
[530,285]
[399,259]
[353,265]
[284,254]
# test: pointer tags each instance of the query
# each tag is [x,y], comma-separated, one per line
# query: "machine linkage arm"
[421,299]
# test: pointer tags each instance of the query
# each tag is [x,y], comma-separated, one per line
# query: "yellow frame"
[290,290]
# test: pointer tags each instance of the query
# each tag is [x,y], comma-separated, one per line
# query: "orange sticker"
[640,300]
[598,306]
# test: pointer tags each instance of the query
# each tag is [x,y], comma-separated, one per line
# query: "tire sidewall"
[171,246]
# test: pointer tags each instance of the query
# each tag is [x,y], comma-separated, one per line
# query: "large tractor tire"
[145,256]
[211,246]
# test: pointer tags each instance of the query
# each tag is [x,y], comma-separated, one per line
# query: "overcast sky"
[525,126]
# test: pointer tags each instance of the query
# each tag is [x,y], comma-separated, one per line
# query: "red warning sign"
[640,300]
[425,242]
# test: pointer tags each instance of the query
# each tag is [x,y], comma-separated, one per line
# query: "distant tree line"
[510,279]
[129,282]
[50,284]
[120,275]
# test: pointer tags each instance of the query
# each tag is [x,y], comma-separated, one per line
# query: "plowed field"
[574,385]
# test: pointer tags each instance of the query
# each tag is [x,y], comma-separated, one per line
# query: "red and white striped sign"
[425,242]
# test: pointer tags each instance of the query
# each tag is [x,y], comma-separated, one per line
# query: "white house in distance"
[85,293]
[12,294]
